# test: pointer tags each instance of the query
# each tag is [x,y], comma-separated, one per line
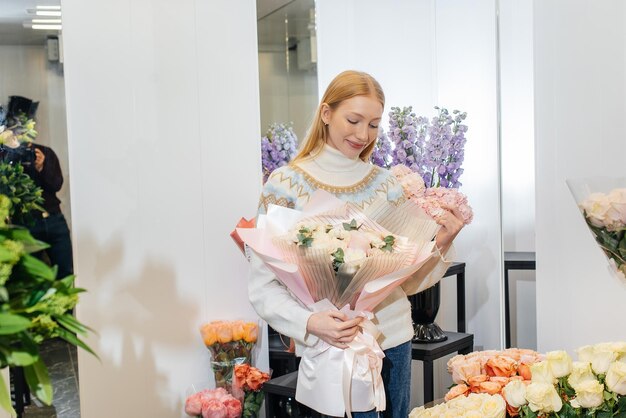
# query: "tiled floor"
[61,359]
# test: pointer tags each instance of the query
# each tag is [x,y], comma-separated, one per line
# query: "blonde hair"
[344,86]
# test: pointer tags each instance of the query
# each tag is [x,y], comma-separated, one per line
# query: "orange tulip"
[251,331]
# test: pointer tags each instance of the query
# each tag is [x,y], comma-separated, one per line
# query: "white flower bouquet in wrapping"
[333,255]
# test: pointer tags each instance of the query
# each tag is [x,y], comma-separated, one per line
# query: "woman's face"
[353,125]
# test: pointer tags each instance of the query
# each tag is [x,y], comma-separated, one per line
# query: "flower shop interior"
[156,110]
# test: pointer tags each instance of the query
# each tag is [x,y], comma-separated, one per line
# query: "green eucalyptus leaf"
[39,381]
[12,324]
[5,398]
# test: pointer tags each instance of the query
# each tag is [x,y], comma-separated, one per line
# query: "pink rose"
[233,408]
[212,408]
[193,405]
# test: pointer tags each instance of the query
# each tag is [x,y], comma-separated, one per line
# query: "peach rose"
[490,387]
[524,371]
[461,372]
[238,330]
[456,391]
[251,330]
[212,408]
[475,381]
[208,334]
[501,366]
[224,332]
[193,404]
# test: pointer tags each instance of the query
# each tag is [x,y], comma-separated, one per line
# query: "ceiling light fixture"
[48,7]
[47,27]
[46,21]
[48,13]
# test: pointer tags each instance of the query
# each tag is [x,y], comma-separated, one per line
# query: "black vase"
[424,308]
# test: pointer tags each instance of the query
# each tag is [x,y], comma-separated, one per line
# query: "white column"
[579,105]
[163,121]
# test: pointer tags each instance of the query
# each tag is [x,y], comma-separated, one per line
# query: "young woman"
[335,157]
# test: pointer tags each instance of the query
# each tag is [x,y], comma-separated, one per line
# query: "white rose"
[472,402]
[585,353]
[542,397]
[590,394]
[596,207]
[515,393]
[616,378]
[541,373]
[617,198]
[352,255]
[473,414]
[493,407]
[603,356]
[581,372]
[417,412]
[560,363]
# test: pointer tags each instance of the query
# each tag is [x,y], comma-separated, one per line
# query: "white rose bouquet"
[603,204]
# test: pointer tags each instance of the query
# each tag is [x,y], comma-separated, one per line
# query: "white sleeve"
[431,272]
[273,302]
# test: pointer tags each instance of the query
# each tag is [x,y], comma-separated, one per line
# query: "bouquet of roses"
[594,386]
[213,403]
[490,371]
[333,255]
[476,405]
[605,214]
[247,384]
[229,343]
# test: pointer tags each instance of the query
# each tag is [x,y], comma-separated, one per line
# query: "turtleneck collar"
[332,160]
[331,167]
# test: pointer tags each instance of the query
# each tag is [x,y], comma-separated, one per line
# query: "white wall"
[25,71]
[580,87]
[518,160]
[426,53]
[163,120]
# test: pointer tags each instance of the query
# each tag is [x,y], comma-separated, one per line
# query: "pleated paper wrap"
[331,380]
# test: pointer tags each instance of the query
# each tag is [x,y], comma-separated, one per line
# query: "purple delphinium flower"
[444,153]
[381,156]
[278,147]
[406,136]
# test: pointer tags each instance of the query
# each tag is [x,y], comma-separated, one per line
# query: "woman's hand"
[334,327]
[451,224]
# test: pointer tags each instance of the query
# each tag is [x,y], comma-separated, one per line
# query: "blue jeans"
[397,379]
[53,230]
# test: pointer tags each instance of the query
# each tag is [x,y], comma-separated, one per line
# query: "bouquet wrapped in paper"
[333,255]
[230,343]
[602,201]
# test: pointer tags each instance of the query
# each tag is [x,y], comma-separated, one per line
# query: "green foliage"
[22,192]
[34,306]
